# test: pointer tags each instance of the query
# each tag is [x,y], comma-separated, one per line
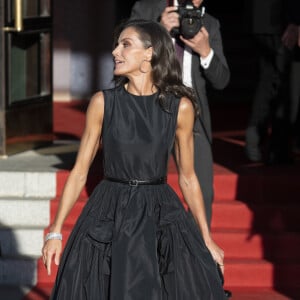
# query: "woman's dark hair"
[166,69]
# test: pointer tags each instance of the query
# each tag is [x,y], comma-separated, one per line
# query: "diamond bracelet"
[53,236]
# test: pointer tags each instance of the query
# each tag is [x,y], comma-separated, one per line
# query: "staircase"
[254,221]
[24,213]
[255,214]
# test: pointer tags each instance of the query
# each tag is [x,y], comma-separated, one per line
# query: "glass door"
[26,74]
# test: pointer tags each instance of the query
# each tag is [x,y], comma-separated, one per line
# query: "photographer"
[203,63]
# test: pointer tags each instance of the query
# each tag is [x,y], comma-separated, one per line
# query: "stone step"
[21,242]
[277,246]
[18,271]
[262,274]
[28,184]
[267,217]
[14,292]
[24,212]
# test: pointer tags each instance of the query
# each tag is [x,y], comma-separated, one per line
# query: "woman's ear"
[149,53]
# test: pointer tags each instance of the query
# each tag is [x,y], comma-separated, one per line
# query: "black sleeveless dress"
[136,242]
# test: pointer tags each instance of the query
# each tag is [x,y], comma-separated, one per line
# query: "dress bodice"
[138,134]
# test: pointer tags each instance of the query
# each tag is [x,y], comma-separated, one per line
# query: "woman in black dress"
[134,240]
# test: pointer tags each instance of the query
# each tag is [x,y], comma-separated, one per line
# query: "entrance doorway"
[25,74]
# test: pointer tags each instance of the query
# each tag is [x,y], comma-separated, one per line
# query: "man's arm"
[217,73]
[148,9]
[290,34]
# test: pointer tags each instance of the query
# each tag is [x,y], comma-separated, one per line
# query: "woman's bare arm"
[188,181]
[88,148]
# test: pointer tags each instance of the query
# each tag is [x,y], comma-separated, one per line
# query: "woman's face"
[130,53]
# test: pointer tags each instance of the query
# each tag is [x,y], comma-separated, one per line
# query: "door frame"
[28,123]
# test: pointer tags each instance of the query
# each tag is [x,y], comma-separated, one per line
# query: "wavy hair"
[166,69]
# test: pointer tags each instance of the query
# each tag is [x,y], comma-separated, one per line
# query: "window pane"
[34,8]
[30,66]
[45,9]
[30,8]
[46,64]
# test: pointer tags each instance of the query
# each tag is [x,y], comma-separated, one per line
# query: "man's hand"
[170,18]
[199,43]
[290,36]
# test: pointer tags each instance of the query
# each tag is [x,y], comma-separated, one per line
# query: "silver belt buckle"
[133,182]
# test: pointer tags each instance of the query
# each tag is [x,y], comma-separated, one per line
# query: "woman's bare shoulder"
[186,106]
[96,105]
[98,98]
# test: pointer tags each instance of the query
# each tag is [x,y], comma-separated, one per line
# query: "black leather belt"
[136,182]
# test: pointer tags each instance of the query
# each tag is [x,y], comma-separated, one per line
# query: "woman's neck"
[140,88]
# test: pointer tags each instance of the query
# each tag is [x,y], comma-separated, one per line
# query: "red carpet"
[255,212]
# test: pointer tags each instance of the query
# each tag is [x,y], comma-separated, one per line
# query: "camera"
[190,20]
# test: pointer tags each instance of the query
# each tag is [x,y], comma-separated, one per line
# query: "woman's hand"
[51,248]
[216,252]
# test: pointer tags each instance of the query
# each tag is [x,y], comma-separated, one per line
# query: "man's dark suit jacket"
[217,74]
